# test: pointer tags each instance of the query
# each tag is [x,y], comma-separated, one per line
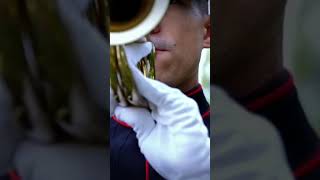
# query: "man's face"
[179,39]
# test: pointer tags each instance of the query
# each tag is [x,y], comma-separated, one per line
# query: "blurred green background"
[302,53]
[204,72]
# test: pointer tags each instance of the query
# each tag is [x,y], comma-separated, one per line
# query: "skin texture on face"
[247,43]
[179,39]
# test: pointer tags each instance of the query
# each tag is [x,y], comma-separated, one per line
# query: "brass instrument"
[127,26]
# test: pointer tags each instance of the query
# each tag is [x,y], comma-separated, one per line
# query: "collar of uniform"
[196,93]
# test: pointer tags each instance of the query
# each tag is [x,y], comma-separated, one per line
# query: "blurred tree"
[302,53]
[204,73]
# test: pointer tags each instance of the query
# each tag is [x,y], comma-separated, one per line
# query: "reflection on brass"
[121,80]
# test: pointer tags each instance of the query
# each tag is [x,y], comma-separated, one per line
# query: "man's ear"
[207,32]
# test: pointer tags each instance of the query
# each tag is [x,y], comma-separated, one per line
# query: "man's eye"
[173,1]
[179,2]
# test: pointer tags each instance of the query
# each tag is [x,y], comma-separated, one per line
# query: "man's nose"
[155,30]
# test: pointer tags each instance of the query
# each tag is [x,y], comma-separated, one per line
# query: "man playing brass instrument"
[169,140]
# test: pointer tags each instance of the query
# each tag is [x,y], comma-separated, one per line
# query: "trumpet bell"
[136,20]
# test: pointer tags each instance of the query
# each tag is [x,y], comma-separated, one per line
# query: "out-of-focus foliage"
[302,53]
[204,72]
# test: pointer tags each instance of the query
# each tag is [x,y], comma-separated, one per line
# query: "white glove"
[172,137]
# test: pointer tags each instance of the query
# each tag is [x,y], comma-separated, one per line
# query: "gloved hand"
[171,135]
[140,50]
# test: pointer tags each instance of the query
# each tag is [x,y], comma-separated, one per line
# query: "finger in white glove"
[174,155]
[136,51]
[138,118]
[139,53]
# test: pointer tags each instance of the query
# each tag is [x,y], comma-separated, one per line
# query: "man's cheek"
[163,59]
[161,66]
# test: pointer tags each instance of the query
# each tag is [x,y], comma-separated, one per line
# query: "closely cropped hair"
[202,5]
